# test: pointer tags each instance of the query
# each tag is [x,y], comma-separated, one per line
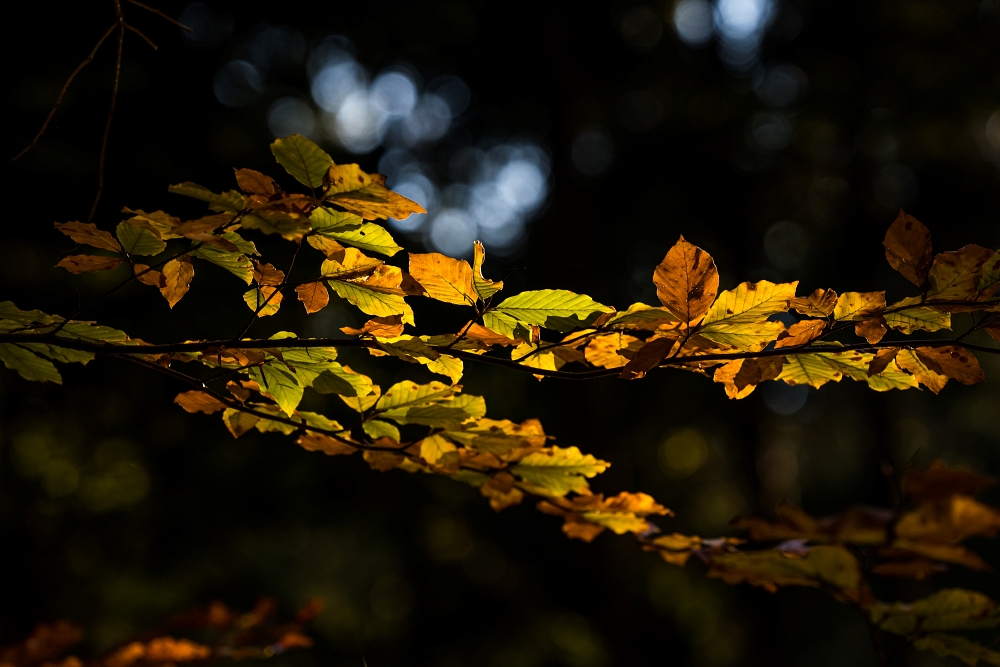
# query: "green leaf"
[641,316]
[8,311]
[245,247]
[231,201]
[408,393]
[95,333]
[414,350]
[372,302]
[954,646]
[559,471]
[279,383]
[258,301]
[438,415]
[139,240]
[559,310]
[907,320]
[946,610]
[302,159]
[336,379]
[364,402]
[379,429]
[237,264]
[352,230]
[317,420]
[61,354]
[28,365]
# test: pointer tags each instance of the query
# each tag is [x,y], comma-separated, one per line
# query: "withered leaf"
[380,327]
[266,274]
[801,333]
[908,248]
[956,274]
[687,281]
[177,276]
[953,361]
[255,183]
[87,233]
[818,304]
[872,330]
[319,442]
[148,276]
[314,296]
[89,263]
[647,358]
[199,401]
[881,360]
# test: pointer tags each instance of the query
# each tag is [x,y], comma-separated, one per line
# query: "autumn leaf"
[945,610]
[380,327]
[437,450]
[559,310]
[264,301]
[859,306]
[956,274]
[558,471]
[832,566]
[881,360]
[818,304]
[227,201]
[366,195]
[647,357]
[238,422]
[908,316]
[89,263]
[955,646]
[199,401]
[177,276]
[800,333]
[484,288]
[302,159]
[148,276]
[991,276]
[741,376]
[872,330]
[908,248]
[640,316]
[236,263]
[739,317]
[606,351]
[266,274]
[314,296]
[28,365]
[139,240]
[87,233]
[955,362]
[940,481]
[950,520]
[444,279]
[255,183]
[686,281]
[925,371]
[376,428]
[351,229]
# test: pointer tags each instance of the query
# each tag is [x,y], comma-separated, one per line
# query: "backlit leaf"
[227,201]
[408,393]
[366,194]
[802,332]
[908,248]
[955,362]
[302,159]
[237,264]
[686,281]
[739,317]
[318,442]
[87,233]
[380,327]
[376,428]
[647,357]
[872,330]
[199,401]
[444,278]
[858,306]
[557,471]
[89,263]
[264,301]
[818,304]
[991,275]
[314,296]
[907,316]
[640,316]
[238,422]
[604,351]
[177,276]
[484,288]
[138,240]
[353,230]
[28,365]
[949,520]
[280,384]
[925,371]
[372,302]
[957,274]
[437,450]
[559,310]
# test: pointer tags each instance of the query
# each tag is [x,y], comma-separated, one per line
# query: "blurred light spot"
[895,186]
[60,478]
[485,564]
[394,94]
[641,28]
[577,642]
[331,49]
[237,84]
[522,184]
[453,91]
[640,110]
[275,46]
[357,125]
[693,22]
[592,152]
[786,245]
[447,540]
[769,132]
[783,399]
[740,19]
[683,453]
[391,598]
[429,120]
[335,82]
[779,86]
[290,115]
[453,232]
[208,27]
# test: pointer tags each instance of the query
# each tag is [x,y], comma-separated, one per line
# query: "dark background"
[117,508]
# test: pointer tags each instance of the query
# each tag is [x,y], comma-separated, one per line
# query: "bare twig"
[111,111]
[62,93]
[161,15]
[129,26]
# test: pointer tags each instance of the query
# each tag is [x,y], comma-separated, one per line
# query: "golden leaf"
[858,306]
[606,351]
[953,361]
[380,327]
[198,401]
[89,263]
[923,370]
[314,296]
[239,422]
[148,276]
[444,278]
[319,442]
[908,248]
[949,521]
[648,357]
[255,183]
[266,274]
[872,330]
[818,304]
[686,281]
[366,194]
[177,276]
[956,274]
[801,333]
[485,288]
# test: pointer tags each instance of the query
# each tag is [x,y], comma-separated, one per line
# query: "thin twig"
[111,112]
[162,15]
[277,289]
[131,27]
[62,93]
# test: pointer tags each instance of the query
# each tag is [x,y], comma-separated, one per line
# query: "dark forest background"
[117,508]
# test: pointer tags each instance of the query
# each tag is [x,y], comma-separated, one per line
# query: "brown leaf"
[801,333]
[948,521]
[955,362]
[366,195]
[89,263]
[255,183]
[266,274]
[881,360]
[238,391]
[687,281]
[88,234]
[380,327]
[939,481]
[956,274]
[925,371]
[908,248]
[648,357]
[818,304]
[199,401]
[314,296]
[177,276]
[383,461]
[872,330]
[501,492]
[490,338]
[148,276]
[318,442]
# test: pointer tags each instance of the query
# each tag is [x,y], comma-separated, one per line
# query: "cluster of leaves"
[220,633]
[740,338]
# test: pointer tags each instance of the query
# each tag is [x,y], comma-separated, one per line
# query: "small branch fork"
[120,25]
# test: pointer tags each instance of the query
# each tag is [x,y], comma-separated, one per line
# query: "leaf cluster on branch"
[739,338]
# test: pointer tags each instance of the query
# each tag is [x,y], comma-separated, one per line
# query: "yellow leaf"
[922,370]
[436,450]
[484,288]
[739,317]
[558,471]
[818,304]
[908,248]
[177,276]
[444,279]
[366,194]
[605,351]
[686,281]
[908,316]
[238,422]
[956,274]
[949,521]
[314,296]
[858,306]
[89,263]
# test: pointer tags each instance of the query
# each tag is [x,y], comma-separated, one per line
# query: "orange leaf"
[198,401]
[88,234]
[318,442]
[872,330]
[89,263]
[168,649]
[648,357]
[955,362]
[177,276]
[801,333]
[908,248]
[687,281]
[881,360]
[314,296]
[148,276]
[266,274]
[380,327]
[818,304]
[255,183]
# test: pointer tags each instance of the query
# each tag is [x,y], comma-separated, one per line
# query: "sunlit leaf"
[818,304]
[238,422]
[859,306]
[559,310]
[557,471]
[237,264]
[957,274]
[907,316]
[686,281]
[87,233]
[353,230]
[264,301]
[366,194]
[380,327]
[302,159]
[607,351]
[280,384]
[314,296]
[227,201]
[376,428]
[177,276]
[641,316]
[199,401]
[444,278]
[484,288]
[955,362]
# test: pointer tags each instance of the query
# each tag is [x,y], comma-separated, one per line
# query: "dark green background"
[117,508]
